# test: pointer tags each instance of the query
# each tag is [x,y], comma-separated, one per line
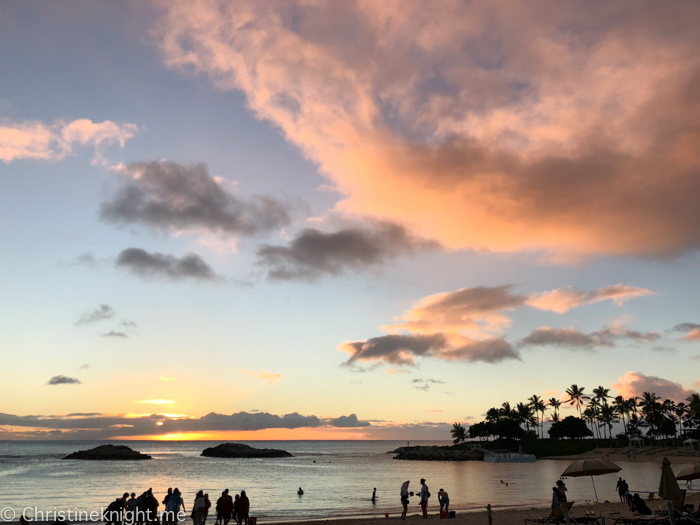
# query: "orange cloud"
[565,299]
[536,142]
[634,384]
[264,375]
[693,335]
[37,140]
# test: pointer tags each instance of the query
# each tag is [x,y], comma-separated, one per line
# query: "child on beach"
[444,500]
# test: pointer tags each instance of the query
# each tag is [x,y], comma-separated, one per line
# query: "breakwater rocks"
[436,453]
[238,450]
[108,453]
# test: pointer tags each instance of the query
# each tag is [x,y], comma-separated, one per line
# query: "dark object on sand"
[108,452]
[238,450]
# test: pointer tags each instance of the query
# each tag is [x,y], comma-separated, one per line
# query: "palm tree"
[537,404]
[576,397]
[594,410]
[650,406]
[601,394]
[459,433]
[555,404]
[524,414]
[621,408]
[607,416]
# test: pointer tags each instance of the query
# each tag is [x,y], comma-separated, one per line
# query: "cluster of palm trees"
[662,418]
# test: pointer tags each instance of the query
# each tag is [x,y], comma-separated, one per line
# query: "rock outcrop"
[108,453]
[436,453]
[238,450]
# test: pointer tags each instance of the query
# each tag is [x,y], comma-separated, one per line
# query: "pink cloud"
[693,335]
[536,141]
[634,384]
[565,299]
[37,140]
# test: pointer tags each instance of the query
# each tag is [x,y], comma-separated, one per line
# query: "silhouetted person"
[300,492]
[424,495]
[225,507]
[243,508]
[374,495]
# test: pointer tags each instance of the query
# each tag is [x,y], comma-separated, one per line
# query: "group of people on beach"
[143,510]
[424,494]
[636,503]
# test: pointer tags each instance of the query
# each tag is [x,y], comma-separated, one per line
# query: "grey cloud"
[660,348]
[87,259]
[162,266]
[313,254]
[350,421]
[401,349]
[86,366]
[113,333]
[576,340]
[97,426]
[101,313]
[169,196]
[424,384]
[685,327]
[63,380]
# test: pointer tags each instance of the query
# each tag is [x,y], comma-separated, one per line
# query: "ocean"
[337,478]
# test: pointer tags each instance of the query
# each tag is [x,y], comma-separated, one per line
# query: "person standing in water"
[424,495]
[374,495]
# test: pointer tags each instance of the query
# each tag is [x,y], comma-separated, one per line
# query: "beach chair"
[556,516]
[679,501]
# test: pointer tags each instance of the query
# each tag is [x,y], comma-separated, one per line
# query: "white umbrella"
[690,472]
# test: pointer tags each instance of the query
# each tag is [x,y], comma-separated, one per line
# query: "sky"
[341,220]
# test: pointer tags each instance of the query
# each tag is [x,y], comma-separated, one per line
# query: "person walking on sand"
[219,518]
[374,495]
[444,500]
[404,498]
[300,492]
[207,506]
[424,495]
[489,514]
[243,508]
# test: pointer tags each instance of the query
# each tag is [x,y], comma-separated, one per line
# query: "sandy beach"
[509,515]
[645,454]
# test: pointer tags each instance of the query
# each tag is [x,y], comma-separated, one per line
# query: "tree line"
[647,415]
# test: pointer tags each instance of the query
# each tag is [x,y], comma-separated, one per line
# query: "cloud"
[312,253]
[51,142]
[271,379]
[113,333]
[101,313]
[540,139]
[86,366]
[111,426]
[635,384]
[63,380]
[574,339]
[467,309]
[169,196]
[160,266]
[397,349]
[156,401]
[434,411]
[692,331]
[87,259]
[392,371]
[424,384]
[350,421]
[565,299]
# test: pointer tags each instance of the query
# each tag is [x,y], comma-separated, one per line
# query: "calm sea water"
[337,478]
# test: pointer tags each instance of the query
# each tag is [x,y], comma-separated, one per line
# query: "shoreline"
[502,515]
[639,455]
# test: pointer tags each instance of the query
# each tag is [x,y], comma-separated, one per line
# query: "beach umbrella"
[591,467]
[668,486]
[689,472]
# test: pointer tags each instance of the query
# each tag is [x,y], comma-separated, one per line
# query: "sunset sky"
[341,220]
